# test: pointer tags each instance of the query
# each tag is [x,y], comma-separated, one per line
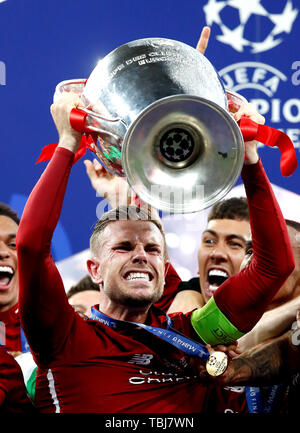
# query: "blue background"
[45,42]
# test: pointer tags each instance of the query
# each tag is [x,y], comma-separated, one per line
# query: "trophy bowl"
[162,118]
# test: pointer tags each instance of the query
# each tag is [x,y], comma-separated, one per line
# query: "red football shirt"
[13,395]
[85,366]
[98,369]
[10,329]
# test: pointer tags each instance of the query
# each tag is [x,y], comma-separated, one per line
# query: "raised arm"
[240,301]
[46,315]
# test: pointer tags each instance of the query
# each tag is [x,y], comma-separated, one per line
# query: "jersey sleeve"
[172,281]
[45,313]
[240,301]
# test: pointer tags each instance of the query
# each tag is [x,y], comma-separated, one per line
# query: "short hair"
[86,283]
[123,213]
[294,224]
[235,208]
[7,211]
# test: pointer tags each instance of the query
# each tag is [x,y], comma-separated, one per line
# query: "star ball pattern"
[212,360]
[280,23]
[176,145]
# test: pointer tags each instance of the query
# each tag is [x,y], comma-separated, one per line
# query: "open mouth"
[215,278]
[138,276]
[6,275]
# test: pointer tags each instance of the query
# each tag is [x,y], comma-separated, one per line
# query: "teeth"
[138,276]
[213,287]
[6,269]
[217,273]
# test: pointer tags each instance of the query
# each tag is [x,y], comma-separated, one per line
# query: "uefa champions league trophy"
[161,117]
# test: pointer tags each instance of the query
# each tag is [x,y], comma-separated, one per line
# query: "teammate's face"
[221,252]
[130,264]
[9,283]
[248,255]
[83,301]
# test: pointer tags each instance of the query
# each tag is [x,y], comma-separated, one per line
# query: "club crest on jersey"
[141,359]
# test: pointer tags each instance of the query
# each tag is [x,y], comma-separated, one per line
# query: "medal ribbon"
[275,392]
[254,400]
[271,137]
[24,343]
[169,335]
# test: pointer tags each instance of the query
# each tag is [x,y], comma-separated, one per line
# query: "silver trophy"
[162,120]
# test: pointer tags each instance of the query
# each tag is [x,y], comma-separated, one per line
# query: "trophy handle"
[76,85]
[235,101]
[99,116]
[81,120]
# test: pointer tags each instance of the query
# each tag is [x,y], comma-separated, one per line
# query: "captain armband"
[212,326]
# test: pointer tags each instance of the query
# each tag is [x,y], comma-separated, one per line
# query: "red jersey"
[10,329]
[230,399]
[13,395]
[99,369]
[85,366]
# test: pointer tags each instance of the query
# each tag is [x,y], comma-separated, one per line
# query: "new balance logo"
[141,359]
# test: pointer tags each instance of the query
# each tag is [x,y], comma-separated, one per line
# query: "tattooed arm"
[272,324]
[266,364]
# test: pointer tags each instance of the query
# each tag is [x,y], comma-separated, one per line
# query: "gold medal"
[217,363]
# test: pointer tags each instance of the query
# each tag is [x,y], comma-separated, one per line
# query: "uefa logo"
[262,82]
[235,20]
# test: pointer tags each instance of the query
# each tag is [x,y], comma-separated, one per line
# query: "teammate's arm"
[272,324]
[240,301]
[267,363]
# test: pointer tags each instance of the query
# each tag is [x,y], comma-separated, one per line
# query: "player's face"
[9,283]
[221,252]
[131,263]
